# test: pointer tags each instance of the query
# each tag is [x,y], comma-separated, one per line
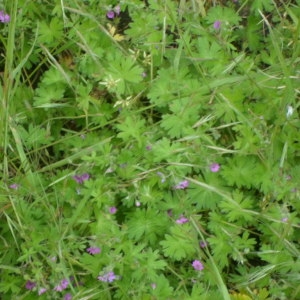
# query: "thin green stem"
[220,281]
[7,86]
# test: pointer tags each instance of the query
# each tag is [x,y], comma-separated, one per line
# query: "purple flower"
[197,265]
[64,283]
[62,286]
[14,186]
[109,277]
[68,296]
[214,167]
[182,185]
[4,18]
[153,285]
[137,203]
[284,220]
[81,178]
[30,285]
[182,220]
[42,291]
[203,244]
[58,288]
[112,210]
[148,147]
[217,25]
[144,74]
[93,250]
[110,14]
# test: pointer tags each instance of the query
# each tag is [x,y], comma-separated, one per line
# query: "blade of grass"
[25,164]
[7,86]
[13,228]
[221,284]
[289,98]
[76,155]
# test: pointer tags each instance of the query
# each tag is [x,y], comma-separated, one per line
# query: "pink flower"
[214,167]
[93,250]
[30,285]
[62,286]
[197,265]
[217,25]
[112,210]
[108,277]
[182,220]
[42,291]
[81,178]
[64,283]
[58,288]
[181,185]
[14,186]
[110,14]
[4,18]
[203,244]
[68,296]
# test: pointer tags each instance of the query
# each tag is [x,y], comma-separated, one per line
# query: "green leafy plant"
[149,150]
